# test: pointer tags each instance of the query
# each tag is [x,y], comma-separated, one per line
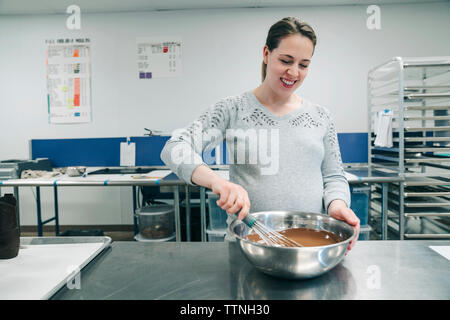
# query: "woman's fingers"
[244,211]
[347,215]
[232,198]
[353,220]
[223,197]
[351,217]
[238,205]
[353,242]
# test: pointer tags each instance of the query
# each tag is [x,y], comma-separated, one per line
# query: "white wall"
[222,52]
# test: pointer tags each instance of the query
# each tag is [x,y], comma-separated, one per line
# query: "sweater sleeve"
[334,180]
[183,152]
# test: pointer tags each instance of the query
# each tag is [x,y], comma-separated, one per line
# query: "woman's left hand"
[339,210]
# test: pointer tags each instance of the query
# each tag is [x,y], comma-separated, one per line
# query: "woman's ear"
[265,54]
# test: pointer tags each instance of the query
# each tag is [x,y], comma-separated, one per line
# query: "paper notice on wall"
[159,57]
[69,80]
[128,154]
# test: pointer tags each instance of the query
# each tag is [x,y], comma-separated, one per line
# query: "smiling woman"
[290,157]
[285,27]
[286,66]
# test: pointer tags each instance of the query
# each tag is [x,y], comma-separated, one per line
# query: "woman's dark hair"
[285,27]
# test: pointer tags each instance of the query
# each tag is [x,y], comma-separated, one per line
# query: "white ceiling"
[10,7]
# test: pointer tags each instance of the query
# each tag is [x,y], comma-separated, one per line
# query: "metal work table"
[373,175]
[170,180]
[364,175]
[173,184]
[201,271]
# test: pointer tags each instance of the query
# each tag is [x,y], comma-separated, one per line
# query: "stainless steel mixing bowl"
[294,263]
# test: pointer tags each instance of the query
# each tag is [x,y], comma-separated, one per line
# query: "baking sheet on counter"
[45,264]
[442,250]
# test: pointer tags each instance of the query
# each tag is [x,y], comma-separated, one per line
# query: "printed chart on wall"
[69,80]
[159,57]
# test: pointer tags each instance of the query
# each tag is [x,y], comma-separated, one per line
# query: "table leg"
[176,203]
[55,193]
[188,213]
[384,210]
[38,207]
[401,212]
[134,210]
[203,214]
[16,195]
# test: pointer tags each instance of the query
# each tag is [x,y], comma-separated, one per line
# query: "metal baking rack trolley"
[417,91]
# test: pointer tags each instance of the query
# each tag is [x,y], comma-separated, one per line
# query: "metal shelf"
[412,212]
[427,236]
[393,225]
[428,181]
[416,96]
[428,149]
[444,62]
[417,160]
[424,139]
[426,204]
[430,118]
[417,90]
[432,72]
[416,129]
[421,191]
[425,87]
[409,108]
[425,160]
[416,149]
[412,92]
[426,194]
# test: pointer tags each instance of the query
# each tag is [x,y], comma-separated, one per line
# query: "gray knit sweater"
[289,162]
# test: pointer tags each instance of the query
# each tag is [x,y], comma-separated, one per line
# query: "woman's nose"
[293,72]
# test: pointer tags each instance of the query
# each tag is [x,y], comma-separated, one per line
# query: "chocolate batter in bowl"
[305,237]
[325,241]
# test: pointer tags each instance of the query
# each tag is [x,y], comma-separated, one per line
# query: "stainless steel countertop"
[194,270]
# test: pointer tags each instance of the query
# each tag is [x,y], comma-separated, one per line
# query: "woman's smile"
[288,84]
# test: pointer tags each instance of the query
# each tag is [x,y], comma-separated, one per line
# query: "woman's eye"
[303,66]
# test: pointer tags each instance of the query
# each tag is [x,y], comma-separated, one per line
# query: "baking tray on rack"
[45,264]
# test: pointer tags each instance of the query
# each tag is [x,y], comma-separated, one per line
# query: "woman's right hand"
[233,197]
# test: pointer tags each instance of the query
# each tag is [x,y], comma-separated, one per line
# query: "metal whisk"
[270,237]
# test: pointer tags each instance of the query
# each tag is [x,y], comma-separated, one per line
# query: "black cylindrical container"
[9,232]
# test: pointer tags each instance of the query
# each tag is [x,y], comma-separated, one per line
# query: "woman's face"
[287,65]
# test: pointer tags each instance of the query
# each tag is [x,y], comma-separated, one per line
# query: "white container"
[364,232]
[140,238]
[156,221]
[216,235]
